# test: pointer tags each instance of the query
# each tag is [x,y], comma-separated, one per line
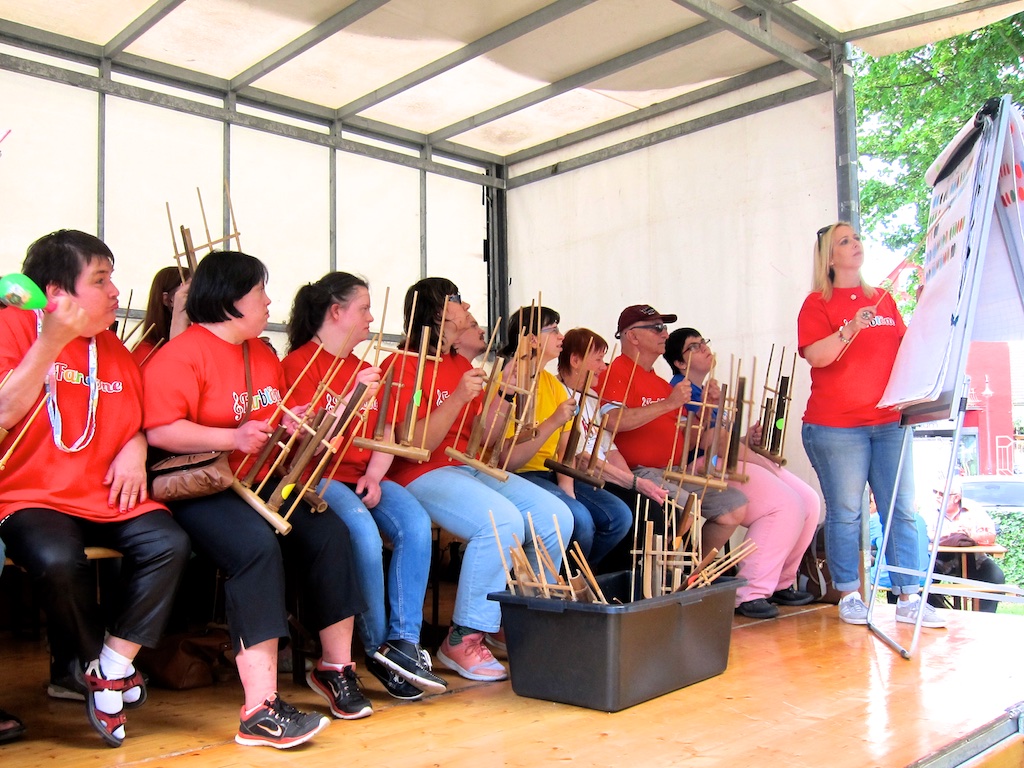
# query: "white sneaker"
[906,611]
[852,609]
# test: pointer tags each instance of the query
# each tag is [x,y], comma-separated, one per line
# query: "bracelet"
[843,338]
[634,483]
[509,397]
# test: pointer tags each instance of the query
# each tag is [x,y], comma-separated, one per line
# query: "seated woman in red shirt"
[197,397]
[165,313]
[92,491]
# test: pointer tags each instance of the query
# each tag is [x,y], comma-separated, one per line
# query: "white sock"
[116,666]
[335,667]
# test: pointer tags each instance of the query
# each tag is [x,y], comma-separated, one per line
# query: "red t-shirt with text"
[38,473]
[449,373]
[845,393]
[199,377]
[353,464]
[651,444]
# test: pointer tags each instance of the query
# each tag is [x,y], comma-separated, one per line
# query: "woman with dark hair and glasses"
[850,332]
[335,312]
[73,398]
[600,519]
[459,498]
[212,388]
[783,511]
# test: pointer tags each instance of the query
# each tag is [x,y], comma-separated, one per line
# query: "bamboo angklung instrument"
[188,249]
[774,410]
[401,441]
[562,463]
[10,451]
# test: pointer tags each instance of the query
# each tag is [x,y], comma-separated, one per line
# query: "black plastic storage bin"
[610,657]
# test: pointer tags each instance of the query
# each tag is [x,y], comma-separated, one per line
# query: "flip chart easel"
[973,290]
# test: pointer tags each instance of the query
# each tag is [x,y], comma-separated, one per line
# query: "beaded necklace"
[56,422]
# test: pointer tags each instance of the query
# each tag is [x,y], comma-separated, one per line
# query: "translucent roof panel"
[473,78]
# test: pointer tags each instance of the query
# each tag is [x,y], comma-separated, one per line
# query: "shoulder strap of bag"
[248,382]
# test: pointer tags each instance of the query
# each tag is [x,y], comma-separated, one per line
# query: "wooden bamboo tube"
[279,524]
[17,440]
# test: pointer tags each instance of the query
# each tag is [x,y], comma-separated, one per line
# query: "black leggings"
[50,546]
[252,557]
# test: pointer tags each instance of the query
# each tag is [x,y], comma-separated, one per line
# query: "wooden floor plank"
[802,690]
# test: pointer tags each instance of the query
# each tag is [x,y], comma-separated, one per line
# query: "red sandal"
[105,723]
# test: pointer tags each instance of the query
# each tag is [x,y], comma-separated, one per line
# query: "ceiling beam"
[42,41]
[139,27]
[796,20]
[499,37]
[343,18]
[938,14]
[683,129]
[225,114]
[721,88]
[756,36]
[586,76]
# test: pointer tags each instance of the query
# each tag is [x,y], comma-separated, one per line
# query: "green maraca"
[19,291]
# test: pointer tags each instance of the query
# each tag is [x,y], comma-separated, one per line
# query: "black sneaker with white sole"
[341,691]
[278,724]
[393,683]
[412,663]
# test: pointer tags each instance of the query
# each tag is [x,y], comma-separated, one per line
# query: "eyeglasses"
[454,298]
[823,230]
[553,328]
[694,346]
[657,327]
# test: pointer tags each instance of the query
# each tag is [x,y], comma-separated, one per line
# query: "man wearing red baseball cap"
[647,428]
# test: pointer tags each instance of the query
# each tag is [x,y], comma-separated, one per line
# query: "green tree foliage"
[909,106]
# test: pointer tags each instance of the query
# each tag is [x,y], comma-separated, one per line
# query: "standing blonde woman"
[850,332]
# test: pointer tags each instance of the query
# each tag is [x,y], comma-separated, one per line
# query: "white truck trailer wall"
[717,227]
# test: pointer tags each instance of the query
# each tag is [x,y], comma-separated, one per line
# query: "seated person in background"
[335,312]
[214,387]
[472,342]
[165,312]
[965,527]
[649,411]
[783,510]
[600,519]
[92,488]
[459,498]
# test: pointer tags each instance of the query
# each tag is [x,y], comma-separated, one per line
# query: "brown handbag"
[192,475]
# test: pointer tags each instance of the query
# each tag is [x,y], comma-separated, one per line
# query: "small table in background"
[992,550]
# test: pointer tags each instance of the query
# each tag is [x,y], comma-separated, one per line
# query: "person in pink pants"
[783,511]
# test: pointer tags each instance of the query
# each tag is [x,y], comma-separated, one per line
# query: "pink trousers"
[782,516]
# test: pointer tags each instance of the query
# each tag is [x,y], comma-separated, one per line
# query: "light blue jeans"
[600,518]
[407,526]
[461,500]
[846,459]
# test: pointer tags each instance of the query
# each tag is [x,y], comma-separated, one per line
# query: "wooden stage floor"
[801,690]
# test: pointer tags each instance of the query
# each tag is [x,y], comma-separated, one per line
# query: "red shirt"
[449,373]
[38,473]
[142,352]
[845,393]
[353,464]
[200,377]
[651,444]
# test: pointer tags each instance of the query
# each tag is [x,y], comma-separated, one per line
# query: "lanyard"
[53,409]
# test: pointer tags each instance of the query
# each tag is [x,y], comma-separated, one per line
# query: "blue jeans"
[461,500]
[600,519]
[405,523]
[846,459]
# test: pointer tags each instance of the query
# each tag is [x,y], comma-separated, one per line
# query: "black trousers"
[252,556]
[50,546]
